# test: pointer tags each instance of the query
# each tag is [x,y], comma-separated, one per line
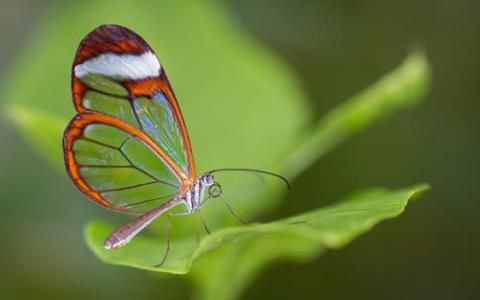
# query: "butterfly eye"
[207,179]
[215,190]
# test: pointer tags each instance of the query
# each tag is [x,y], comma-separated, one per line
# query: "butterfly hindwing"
[112,163]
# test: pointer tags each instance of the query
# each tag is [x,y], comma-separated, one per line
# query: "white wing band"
[122,66]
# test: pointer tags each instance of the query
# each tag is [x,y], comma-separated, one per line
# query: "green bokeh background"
[337,48]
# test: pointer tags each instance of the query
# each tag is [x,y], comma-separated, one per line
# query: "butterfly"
[128,147]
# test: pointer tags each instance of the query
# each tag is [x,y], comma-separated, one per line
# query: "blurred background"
[337,48]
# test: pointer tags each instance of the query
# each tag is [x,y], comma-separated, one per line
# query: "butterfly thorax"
[194,195]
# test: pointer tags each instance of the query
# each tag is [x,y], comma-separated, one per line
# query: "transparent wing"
[116,73]
[117,165]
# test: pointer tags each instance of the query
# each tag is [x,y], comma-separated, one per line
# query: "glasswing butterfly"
[128,147]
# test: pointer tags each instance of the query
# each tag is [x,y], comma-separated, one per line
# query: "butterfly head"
[207,179]
[214,188]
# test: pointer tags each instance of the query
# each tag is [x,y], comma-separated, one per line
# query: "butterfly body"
[192,197]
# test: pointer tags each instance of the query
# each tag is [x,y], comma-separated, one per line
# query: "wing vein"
[131,164]
[127,187]
[145,172]
[136,116]
[146,201]
[105,166]
[110,94]
[98,143]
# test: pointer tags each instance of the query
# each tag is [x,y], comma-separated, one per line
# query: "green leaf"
[300,237]
[331,227]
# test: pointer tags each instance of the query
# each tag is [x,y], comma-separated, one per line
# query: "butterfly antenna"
[285,180]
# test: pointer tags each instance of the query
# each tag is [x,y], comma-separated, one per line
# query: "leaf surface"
[248,247]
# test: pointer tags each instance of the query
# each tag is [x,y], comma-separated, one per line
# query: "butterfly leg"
[197,232]
[167,233]
[167,229]
[202,203]
[199,213]
[232,211]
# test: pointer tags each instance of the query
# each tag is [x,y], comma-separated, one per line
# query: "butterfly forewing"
[116,72]
[128,147]
[157,120]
